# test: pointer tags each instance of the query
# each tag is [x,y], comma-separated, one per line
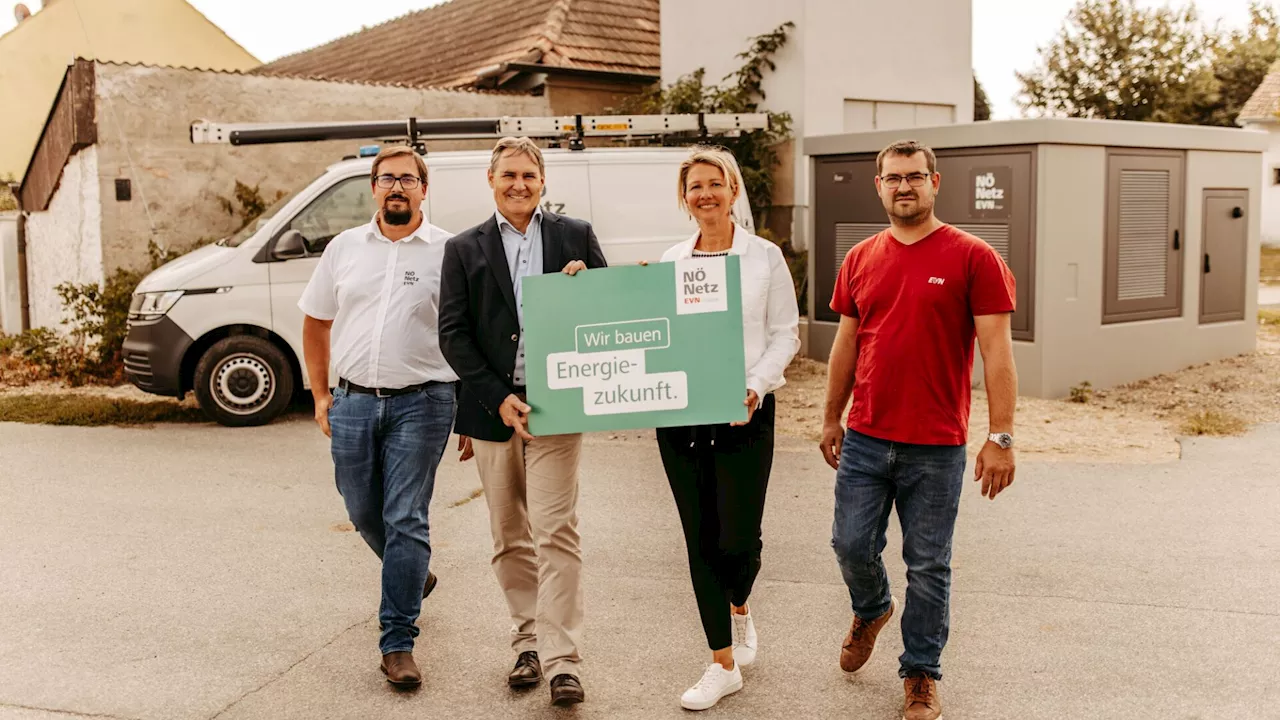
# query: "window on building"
[1144,236]
[863,115]
[1275,176]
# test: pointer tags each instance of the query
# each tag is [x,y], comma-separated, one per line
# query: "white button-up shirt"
[770,313]
[524,258]
[383,297]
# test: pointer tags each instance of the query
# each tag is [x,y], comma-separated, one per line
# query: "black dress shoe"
[527,672]
[566,690]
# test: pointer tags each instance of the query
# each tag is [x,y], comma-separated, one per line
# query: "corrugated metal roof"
[450,44]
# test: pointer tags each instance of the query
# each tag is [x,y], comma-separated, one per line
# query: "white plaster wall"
[64,243]
[840,50]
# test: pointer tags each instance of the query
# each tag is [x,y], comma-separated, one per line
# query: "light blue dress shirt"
[524,258]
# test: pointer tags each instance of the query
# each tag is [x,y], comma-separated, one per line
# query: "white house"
[1261,113]
[847,66]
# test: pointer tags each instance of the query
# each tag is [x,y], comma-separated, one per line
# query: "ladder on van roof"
[574,128]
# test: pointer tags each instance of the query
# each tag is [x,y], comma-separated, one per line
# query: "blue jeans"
[385,455]
[924,481]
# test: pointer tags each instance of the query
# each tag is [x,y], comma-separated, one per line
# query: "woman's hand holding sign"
[752,402]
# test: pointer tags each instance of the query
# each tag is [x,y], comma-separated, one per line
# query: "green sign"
[635,347]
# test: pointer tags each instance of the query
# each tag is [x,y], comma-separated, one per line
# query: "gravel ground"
[1135,423]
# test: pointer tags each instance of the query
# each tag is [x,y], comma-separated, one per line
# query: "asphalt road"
[203,572]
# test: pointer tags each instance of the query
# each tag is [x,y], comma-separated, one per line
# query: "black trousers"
[719,475]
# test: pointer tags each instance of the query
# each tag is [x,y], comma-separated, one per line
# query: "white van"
[223,320]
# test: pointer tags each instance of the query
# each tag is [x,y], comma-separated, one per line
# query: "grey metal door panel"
[1224,261]
[1143,271]
[988,192]
[846,211]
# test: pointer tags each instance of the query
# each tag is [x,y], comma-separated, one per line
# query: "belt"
[384,392]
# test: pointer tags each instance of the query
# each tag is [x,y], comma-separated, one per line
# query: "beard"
[908,215]
[397,217]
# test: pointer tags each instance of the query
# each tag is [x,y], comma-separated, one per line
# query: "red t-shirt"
[915,306]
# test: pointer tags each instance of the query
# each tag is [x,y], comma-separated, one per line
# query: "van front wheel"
[243,380]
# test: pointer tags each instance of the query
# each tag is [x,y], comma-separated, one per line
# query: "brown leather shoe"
[922,698]
[401,670]
[527,672]
[566,690]
[860,641]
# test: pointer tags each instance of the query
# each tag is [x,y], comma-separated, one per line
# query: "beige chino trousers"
[532,492]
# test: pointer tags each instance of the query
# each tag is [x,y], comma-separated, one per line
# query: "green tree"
[981,104]
[1117,61]
[1241,59]
[740,92]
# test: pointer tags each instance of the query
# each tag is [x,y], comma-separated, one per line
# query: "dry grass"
[1212,422]
[1270,271]
[1046,429]
[91,410]
[474,494]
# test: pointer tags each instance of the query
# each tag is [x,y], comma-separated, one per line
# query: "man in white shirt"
[372,306]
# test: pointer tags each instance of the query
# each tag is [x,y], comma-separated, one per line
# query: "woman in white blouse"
[719,473]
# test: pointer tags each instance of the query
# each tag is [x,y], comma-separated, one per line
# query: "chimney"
[21,12]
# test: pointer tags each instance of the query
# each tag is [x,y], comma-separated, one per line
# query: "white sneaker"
[744,639]
[716,682]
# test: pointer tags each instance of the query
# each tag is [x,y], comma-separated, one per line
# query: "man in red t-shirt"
[911,300]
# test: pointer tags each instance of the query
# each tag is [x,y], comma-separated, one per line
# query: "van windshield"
[256,224]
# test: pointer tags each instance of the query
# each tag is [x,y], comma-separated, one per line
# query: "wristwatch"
[1004,440]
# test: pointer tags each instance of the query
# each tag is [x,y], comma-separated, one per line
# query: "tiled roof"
[1265,101]
[447,45]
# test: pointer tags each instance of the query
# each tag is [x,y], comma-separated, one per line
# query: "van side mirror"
[291,246]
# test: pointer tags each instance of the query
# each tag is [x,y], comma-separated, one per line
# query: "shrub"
[1212,422]
[8,203]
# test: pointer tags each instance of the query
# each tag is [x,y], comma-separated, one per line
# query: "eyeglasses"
[914,180]
[408,182]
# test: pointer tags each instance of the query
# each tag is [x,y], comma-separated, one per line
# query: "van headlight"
[152,305]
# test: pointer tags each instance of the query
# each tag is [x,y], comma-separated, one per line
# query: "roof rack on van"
[575,128]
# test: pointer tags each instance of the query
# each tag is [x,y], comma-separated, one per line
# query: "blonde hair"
[716,157]
[521,146]
[396,151]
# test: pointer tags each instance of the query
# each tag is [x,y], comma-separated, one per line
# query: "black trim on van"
[153,352]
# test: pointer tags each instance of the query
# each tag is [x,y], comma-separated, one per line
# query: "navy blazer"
[479,328]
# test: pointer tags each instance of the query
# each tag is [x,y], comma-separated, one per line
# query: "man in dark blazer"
[530,484]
